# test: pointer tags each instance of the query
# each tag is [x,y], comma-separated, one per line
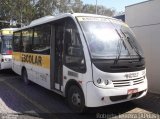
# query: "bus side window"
[0,45]
[74,56]
[16,41]
[27,41]
[41,41]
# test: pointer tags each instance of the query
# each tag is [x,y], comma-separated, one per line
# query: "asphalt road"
[20,101]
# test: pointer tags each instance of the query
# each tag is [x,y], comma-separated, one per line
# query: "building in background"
[144,19]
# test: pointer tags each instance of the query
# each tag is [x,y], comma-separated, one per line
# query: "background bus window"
[41,41]
[0,44]
[27,41]
[7,45]
[16,41]
[74,57]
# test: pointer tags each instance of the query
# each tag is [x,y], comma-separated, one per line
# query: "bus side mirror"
[75,51]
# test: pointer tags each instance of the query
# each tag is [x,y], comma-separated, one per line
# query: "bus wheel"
[76,99]
[25,77]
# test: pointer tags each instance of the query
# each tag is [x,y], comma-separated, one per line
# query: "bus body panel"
[6,35]
[94,95]
[37,74]
[16,62]
[118,85]
[5,62]
[97,97]
[82,78]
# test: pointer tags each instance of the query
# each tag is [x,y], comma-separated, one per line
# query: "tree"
[64,6]
[20,10]
[44,7]
[101,10]
[77,6]
[4,9]
[24,11]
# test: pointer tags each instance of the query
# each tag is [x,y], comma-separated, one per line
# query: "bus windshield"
[6,46]
[109,38]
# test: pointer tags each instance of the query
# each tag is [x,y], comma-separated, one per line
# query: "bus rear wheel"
[75,99]
[25,77]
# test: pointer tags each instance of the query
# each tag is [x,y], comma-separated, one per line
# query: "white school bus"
[6,36]
[91,60]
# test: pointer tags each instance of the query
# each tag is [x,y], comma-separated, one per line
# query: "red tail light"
[9,52]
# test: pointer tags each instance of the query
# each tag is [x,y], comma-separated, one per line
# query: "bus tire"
[25,77]
[75,99]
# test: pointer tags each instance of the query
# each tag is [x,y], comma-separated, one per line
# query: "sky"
[118,5]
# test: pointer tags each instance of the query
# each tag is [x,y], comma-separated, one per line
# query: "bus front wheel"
[25,77]
[76,99]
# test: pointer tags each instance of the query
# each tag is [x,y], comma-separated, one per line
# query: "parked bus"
[6,36]
[91,60]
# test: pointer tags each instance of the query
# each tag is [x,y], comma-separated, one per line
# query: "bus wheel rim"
[76,100]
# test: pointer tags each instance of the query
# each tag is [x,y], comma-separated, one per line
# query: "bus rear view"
[6,48]
[117,60]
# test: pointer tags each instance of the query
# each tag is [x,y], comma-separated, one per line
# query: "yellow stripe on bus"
[6,32]
[34,59]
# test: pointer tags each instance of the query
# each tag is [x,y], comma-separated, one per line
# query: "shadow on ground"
[151,103]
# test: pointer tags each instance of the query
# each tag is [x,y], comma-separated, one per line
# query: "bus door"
[68,52]
[57,55]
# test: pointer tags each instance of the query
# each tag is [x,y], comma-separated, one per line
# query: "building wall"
[144,19]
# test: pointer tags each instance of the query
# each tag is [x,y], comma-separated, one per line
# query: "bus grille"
[130,82]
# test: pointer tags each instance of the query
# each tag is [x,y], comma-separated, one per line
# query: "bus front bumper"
[97,97]
[5,65]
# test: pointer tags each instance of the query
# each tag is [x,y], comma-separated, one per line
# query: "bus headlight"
[104,83]
[99,80]
[7,59]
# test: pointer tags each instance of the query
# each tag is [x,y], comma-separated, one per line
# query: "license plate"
[132,91]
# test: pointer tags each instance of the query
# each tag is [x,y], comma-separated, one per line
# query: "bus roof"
[47,19]
[7,31]
[43,19]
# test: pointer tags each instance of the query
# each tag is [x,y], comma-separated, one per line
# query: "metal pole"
[21,18]
[96,6]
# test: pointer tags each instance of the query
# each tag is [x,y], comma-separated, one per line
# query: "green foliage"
[24,11]
[101,10]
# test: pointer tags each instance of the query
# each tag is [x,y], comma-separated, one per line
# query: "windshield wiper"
[134,47]
[119,47]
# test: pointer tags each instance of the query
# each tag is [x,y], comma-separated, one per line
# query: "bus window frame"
[20,41]
[33,38]
[21,45]
[79,40]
